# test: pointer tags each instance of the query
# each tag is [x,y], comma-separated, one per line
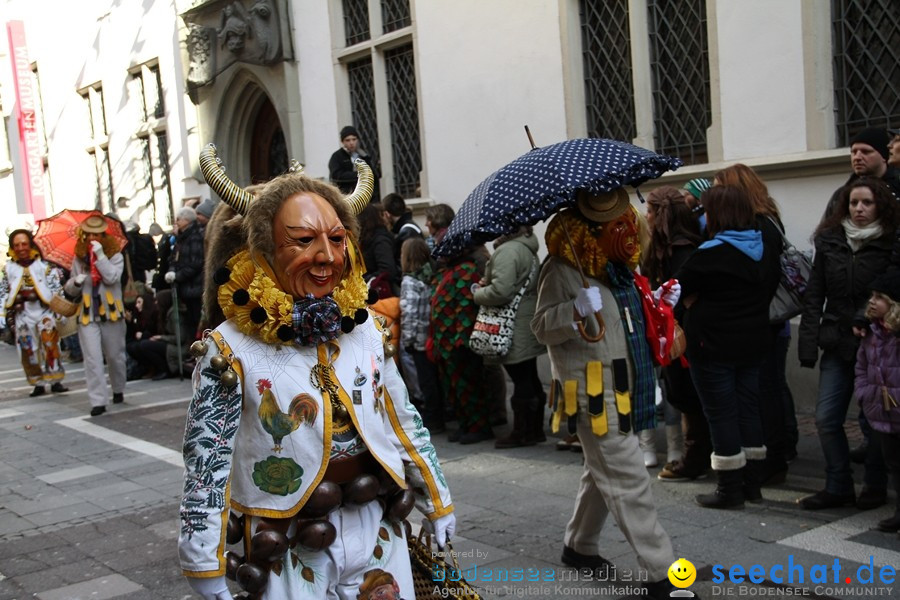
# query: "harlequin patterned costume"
[289,396]
[25,292]
[460,371]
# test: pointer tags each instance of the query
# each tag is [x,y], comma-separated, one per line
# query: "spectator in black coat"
[377,245]
[402,225]
[340,166]
[186,266]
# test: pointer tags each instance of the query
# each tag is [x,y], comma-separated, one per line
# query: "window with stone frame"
[153,189]
[98,147]
[865,38]
[380,72]
[679,66]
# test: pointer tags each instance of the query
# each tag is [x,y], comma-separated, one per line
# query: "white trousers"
[338,571]
[615,481]
[99,339]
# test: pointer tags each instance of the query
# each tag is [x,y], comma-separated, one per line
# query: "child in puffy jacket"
[877,385]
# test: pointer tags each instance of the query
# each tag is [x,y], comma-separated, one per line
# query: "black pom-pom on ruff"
[361,316]
[221,276]
[258,315]
[347,324]
[373,297]
[240,297]
[285,333]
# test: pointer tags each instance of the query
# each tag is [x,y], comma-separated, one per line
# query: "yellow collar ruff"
[260,308]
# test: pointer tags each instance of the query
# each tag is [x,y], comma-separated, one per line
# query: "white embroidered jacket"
[268,466]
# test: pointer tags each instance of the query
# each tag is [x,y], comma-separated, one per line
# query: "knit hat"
[697,186]
[155,229]
[187,213]
[604,207]
[206,208]
[347,131]
[875,137]
[888,284]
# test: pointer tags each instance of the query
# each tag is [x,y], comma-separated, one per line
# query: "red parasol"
[56,236]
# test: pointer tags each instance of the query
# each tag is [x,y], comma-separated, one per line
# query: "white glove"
[79,279]
[441,528]
[671,296]
[588,301]
[213,588]
[97,247]
[170,276]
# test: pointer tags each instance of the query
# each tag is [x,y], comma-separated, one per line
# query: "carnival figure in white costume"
[301,442]
[27,285]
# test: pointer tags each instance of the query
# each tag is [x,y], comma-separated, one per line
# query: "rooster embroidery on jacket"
[303,409]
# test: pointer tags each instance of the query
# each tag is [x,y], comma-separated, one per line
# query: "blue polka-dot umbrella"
[537,184]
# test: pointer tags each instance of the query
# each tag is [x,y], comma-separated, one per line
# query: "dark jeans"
[526,381]
[729,394]
[835,390]
[772,386]
[890,451]
[433,409]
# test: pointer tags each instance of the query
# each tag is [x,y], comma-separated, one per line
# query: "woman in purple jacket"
[877,384]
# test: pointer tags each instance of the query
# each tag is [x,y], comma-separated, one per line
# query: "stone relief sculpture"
[251,35]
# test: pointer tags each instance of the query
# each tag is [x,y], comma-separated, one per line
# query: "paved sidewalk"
[89,510]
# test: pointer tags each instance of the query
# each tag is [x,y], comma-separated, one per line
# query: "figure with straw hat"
[27,285]
[300,439]
[96,281]
[603,390]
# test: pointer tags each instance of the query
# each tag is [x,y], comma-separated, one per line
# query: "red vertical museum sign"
[30,156]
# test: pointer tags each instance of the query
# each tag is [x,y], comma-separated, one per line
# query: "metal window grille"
[395,15]
[147,164]
[95,160]
[104,175]
[865,38]
[159,110]
[356,21]
[606,54]
[362,102]
[404,115]
[679,63]
[162,144]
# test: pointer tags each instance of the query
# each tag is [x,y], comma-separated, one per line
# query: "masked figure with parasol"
[96,282]
[27,285]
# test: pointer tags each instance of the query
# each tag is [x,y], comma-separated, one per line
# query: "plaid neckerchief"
[315,320]
[643,392]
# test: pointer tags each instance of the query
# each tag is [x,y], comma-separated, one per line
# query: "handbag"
[664,335]
[796,268]
[433,576]
[133,289]
[494,326]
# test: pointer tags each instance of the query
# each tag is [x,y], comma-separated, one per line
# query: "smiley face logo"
[682,573]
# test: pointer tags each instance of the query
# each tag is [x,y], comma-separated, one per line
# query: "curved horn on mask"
[365,185]
[233,195]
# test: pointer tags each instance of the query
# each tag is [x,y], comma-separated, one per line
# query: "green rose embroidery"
[276,475]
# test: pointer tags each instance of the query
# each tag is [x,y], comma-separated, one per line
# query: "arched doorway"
[268,149]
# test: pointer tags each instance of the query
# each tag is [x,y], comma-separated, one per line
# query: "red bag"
[663,333]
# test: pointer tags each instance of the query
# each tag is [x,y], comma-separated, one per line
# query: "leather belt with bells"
[355,480]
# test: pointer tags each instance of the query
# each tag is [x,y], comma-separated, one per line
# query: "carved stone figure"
[234,29]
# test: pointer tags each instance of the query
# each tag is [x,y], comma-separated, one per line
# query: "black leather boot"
[729,491]
[753,476]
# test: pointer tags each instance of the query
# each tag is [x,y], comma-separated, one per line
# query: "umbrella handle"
[592,338]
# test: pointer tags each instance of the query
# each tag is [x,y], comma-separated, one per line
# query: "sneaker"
[58,388]
[678,471]
[567,442]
